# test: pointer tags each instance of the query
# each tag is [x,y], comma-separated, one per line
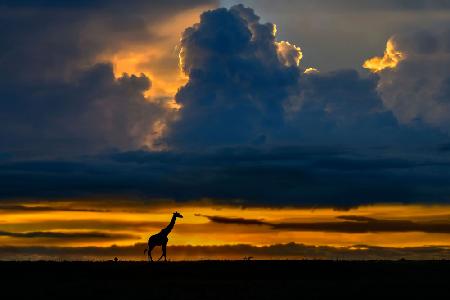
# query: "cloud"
[61,95]
[90,112]
[76,33]
[289,54]
[39,208]
[340,107]
[390,59]
[245,88]
[351,224]
[417,89]
[276,251]
[229,220]
[236,81]
[44,208]
[66,235]
[91,225]
[356,218]
[282,176]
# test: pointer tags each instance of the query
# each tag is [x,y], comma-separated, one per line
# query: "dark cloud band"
[283,176]
[65,235]
[352,224]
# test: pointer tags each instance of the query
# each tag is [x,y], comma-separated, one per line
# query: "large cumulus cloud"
[247,88]
[236,81]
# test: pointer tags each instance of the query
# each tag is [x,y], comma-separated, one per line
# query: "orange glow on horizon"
[128,223]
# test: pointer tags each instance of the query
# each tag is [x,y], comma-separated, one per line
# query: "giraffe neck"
[169,227]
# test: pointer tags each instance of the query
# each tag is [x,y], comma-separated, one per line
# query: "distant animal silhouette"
[160,239]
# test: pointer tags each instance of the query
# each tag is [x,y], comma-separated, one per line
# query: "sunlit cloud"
[311,71]
[392,56]
[289,54]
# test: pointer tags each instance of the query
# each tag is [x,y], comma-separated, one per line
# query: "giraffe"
[160,239]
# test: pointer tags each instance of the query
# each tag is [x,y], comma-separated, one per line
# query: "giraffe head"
[177,215]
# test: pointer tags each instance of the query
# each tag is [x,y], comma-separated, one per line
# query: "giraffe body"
[161,238]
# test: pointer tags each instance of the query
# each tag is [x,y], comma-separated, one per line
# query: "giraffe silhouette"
[160,239]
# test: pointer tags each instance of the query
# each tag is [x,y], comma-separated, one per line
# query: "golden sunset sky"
[98,224]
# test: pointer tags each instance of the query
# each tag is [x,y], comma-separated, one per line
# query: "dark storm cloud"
[67,34]
[65,235]
[443,148]
[351,224]
[276,251]
[55,96]
[342,107]
[155,5]
[92,111]
[277,177]
[12,207]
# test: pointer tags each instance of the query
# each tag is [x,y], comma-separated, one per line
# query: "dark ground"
[226,280]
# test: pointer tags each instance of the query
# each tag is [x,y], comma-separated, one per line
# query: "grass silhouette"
[249,279]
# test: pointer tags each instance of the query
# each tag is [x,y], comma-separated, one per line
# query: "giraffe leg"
[150,248]
[164,250]
[160,257]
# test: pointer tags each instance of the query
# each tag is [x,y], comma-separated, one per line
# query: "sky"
[288,129]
